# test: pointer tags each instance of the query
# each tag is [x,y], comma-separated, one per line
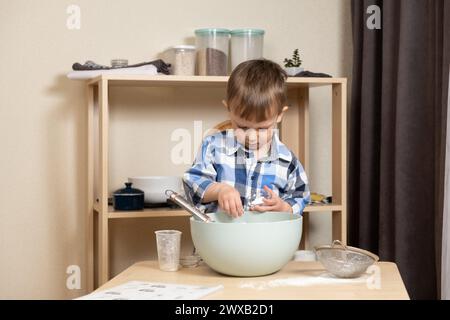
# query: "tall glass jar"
[246,44]
[212,51]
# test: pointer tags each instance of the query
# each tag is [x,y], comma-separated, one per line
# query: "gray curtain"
[397,134]
[445,290]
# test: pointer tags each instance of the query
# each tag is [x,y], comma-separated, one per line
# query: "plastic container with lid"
[246,44]
[183,60]
[212,51]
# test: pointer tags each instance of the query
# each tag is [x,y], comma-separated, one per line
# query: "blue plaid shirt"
[222,158]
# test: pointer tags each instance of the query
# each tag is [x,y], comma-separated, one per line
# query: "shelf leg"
[90,191]
[295,134]
[339,231]
[303,150]
[294,131]
[103,258]
[303,122]
[339,156]
[304,243]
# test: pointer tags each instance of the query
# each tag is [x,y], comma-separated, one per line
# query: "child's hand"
[230,200]
[273,203]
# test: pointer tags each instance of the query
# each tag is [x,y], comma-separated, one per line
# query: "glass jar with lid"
[183,60]
[246,44]
[212,51]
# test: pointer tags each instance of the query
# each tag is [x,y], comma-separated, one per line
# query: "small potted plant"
[292,66]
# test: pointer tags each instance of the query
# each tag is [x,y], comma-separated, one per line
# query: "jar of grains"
[183,60]
[212,51]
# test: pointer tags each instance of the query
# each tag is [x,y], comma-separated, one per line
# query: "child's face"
[254,135]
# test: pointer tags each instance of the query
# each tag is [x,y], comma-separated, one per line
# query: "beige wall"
[43,118]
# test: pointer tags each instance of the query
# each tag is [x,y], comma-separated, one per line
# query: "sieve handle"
[175,197]
[338,243]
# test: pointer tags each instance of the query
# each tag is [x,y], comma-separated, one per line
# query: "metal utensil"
[181,201]
[345,261]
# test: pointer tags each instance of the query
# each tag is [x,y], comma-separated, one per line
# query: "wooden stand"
[294,132]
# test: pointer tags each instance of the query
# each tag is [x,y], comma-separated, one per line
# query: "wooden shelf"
[147,213]
[167,212]
[323,207]
[199,81]
[295,132]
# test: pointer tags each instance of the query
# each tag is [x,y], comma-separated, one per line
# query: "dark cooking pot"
[129,198]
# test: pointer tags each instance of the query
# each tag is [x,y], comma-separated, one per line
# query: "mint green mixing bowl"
[255,244]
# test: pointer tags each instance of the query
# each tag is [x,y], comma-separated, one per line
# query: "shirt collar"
[231,143]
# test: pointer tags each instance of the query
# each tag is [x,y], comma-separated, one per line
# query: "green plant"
[294,62]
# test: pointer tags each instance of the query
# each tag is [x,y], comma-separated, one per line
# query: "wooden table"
[296,281]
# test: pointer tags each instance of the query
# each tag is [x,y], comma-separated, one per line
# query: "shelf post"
[339,163]
[90,190]
[103,254]
[295,134]
[303,152]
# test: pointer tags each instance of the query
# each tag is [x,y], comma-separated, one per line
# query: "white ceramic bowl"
[255,244]
[154,187]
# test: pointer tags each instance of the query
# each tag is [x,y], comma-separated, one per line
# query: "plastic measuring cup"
[168,247]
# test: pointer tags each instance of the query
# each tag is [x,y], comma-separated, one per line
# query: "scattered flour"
[304,281]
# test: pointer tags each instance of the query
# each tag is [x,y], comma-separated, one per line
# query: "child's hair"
[256,90]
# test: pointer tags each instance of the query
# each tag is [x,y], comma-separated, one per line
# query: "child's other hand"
[230,200]
[273,203]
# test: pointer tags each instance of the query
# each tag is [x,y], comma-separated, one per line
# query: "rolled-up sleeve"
[297,192]
[201,175]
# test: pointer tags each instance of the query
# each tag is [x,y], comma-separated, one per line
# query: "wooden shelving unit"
[294,132]
[160,212]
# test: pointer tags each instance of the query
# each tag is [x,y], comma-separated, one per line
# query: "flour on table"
[304,281]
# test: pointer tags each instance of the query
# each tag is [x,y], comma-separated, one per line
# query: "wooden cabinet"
[295,135]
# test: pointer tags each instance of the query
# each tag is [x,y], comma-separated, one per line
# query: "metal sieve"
[182,202]
[345,261]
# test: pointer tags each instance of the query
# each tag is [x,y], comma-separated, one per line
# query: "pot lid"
[128,190]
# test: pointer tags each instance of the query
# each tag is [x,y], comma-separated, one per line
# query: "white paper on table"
[141,290]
